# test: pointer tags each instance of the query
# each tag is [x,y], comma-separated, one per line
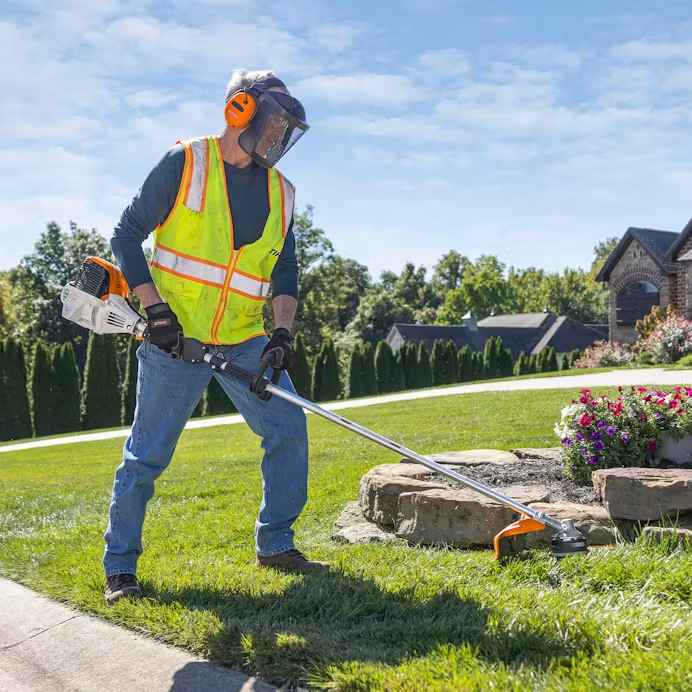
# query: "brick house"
[647,268]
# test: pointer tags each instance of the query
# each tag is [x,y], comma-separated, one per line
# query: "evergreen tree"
[424,371]
[42,390]
[533,364]
[451,362]
[522,365]
[507,363]
[129,393]
[438,364]
[367,360]
[551,360]
[18,412]
[574,356]
[218,402]
[478,362]
[4,403]
[201,408]
[500,356]
[465,364]
[490,358]
[411,366]
[397,375]
[101,387]
[383,367]
[354,387]
[67,378]
[300,373]
[326,384]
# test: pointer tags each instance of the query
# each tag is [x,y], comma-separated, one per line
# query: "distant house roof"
[683,236]
[527,320]
[529,333]
[656,243]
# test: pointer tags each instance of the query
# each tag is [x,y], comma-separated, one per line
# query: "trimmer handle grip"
[271,359]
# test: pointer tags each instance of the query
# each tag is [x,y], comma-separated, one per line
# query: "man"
[222,218]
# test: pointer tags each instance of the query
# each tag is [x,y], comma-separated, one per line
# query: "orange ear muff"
[240,109]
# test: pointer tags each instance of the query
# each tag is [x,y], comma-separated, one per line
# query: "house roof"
[679,242]
[528,320]
[566,334]
[429,333]
[656,243]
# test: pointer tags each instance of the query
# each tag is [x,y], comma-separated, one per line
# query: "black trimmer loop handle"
[271,359]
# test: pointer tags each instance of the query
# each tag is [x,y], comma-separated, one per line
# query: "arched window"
[635,302]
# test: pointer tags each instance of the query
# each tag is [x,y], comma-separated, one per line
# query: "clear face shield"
[278,124]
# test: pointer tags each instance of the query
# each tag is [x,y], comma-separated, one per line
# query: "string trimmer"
[97,300]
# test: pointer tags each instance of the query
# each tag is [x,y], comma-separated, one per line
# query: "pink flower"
[642,389]
[585,421]
[651,445]
[583,400]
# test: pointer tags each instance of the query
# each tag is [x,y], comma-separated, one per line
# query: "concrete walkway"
[47,647]
[614,378]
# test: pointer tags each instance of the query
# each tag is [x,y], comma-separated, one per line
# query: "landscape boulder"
[356,529]
[644,494]
[460,518]
[471,457]
[592,521]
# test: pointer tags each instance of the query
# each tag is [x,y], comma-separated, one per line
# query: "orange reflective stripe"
[188,267]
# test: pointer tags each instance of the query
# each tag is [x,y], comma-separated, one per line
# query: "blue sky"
[530,130]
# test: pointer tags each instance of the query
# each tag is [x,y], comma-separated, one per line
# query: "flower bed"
[670,340]
[600,432]
[604,354]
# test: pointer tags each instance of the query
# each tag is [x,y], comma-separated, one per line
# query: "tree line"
[48,396]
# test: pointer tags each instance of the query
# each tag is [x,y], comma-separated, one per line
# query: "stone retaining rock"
[643,494]
[593,522]
[551,453]
[461,518]
[356,529]
[471,457]
[676,536]
[380,488]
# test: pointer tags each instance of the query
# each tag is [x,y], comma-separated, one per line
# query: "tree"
[397,375]
[424,371]
[478,362]
[129,393]
[551,360]
[325,382]
[574,356]
[533,364]
[4,402]
[438,364]
[354,387]
[490,364]
[368,369]
[521,367]
[384,363]
[8,317]
[506,362]
[218,402]
[300,373]
[410,365]
[42,387]
[101,386]
[17,419]
[465,364]
[448,273]
[648,324]
[38,279]
[451,362]
[67,379]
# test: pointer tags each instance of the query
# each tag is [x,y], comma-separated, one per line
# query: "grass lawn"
[386,617]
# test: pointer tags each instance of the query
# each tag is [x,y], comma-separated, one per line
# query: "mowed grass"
[386,617]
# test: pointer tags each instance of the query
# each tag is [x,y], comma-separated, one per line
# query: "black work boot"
[291,560]
[121,586]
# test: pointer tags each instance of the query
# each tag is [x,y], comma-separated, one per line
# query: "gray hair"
[244,78]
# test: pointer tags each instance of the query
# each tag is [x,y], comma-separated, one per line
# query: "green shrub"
[218,402]
[129,393]
[490,358]
[354,385]
[574,356]
[645,357]
[67,380]
[438,364]
[101,387]
[300,373]
[424,374]
[522,365]
[17,418]
[367,360]
[685,361]
[383,367]
[42,390]
[465,364]
[451,362]
[325,379]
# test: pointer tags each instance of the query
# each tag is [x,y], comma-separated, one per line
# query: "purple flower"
[573,469]
[602,424]
[659,415]
[584,452]
[567,441]
[611,430]
[593,459]
[595,435]
[598,445]
[625,438]
[575,424]
[580,436]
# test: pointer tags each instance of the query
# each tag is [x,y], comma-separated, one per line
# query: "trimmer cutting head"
[569,541]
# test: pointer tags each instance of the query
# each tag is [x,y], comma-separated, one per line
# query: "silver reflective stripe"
[189,268]
[199,174]
[289,200]
[249,286]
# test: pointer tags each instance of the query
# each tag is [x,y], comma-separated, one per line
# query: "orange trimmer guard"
[510,541]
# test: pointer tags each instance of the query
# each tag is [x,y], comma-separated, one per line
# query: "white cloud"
[443,63]
[366,89]
[647,51]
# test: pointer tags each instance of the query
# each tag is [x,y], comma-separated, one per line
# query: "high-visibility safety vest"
[217,292]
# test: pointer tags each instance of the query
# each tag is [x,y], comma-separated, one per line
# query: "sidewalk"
[614,378]
[47,647]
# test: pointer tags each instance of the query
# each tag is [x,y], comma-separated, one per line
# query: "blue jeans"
[167,392]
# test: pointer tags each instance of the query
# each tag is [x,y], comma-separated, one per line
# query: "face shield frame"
[278,123]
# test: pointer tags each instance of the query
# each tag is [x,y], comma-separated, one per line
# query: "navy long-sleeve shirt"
[249,203]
